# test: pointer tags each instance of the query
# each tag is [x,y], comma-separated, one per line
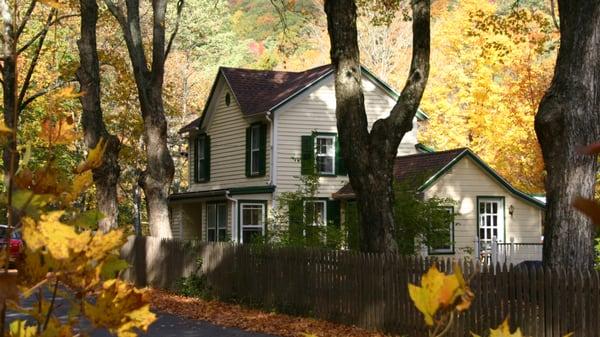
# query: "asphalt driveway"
[166,325]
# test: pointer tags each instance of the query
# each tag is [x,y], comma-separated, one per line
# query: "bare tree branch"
[35,59]
[553,12]
[180,5]
[44,31]
[41,93]
[25,19]
[410,97]
[116,12]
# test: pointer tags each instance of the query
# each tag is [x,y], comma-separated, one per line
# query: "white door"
[491,219]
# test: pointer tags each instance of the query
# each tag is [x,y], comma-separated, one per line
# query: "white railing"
[492,252]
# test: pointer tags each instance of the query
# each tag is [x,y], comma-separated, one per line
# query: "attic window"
[227,99]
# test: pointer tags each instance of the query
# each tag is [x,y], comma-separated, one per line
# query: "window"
[252,221]
[255,150]
[202,158]
[256,142]
[315,212]
[325,154]
[216,222]
[449,247]
[491,219]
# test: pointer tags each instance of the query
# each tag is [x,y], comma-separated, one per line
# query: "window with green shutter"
[321,155]
[256,150]
[202,162]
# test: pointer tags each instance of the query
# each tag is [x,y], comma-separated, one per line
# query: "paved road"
[166,325]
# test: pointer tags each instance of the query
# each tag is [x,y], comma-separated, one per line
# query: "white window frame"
[216,226]
[243,226]
[449,250]
[317,155]
[200,148]
[324,202]
[500,225]
[254,132]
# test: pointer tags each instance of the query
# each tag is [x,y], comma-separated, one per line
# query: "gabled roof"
[424,169]
[259,91]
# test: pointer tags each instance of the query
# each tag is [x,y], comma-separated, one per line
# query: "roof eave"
[299,92]
[488,170]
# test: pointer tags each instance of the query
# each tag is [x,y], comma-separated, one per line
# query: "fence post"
[494,250]
[477,248]
[512,249]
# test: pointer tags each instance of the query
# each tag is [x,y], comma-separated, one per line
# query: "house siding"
[315,111]
[227,131]
[464,183]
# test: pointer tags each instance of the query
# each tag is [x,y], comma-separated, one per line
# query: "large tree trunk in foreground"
[370,156]
[568,118]
[158,175]
[106,176]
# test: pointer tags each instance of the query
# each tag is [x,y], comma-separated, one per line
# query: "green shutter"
[193,158]
[296,218]
[248,146]
[263,150]
[307,160]
[340,166]
[206,158]
[333,213]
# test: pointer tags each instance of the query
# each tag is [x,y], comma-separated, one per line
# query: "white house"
[246,148]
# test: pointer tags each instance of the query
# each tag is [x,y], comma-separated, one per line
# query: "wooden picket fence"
[371,290]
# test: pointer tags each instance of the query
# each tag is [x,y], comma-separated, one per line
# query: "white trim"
[242,226]
[501,224]
[452,240]
[333,159]
[273,140]
[314,201]
[234,208]
[216,227]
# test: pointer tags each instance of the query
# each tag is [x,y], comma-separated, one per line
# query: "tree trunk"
[158,175]
[10,156]
[369,156]
[156,179]
[106,176]
[568,118]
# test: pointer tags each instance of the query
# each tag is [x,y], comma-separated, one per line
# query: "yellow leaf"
[81,182]
[439,291]
[4,129]
[94,158]
[504,331]
[121,308]
[53,4]
[21,329]
[66,92]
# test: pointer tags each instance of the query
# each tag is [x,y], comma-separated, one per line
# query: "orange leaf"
[590,149]
[588,207]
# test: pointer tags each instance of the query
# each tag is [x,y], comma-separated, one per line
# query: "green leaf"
[88,219]
[112,266]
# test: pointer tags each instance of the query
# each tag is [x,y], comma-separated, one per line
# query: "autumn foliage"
[64,254]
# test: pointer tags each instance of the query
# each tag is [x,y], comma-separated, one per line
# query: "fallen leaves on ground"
[236,316]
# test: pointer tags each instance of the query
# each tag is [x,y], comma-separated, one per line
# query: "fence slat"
[371,290]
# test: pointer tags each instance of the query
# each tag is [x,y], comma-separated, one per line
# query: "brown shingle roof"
[258,91]
[413,169]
